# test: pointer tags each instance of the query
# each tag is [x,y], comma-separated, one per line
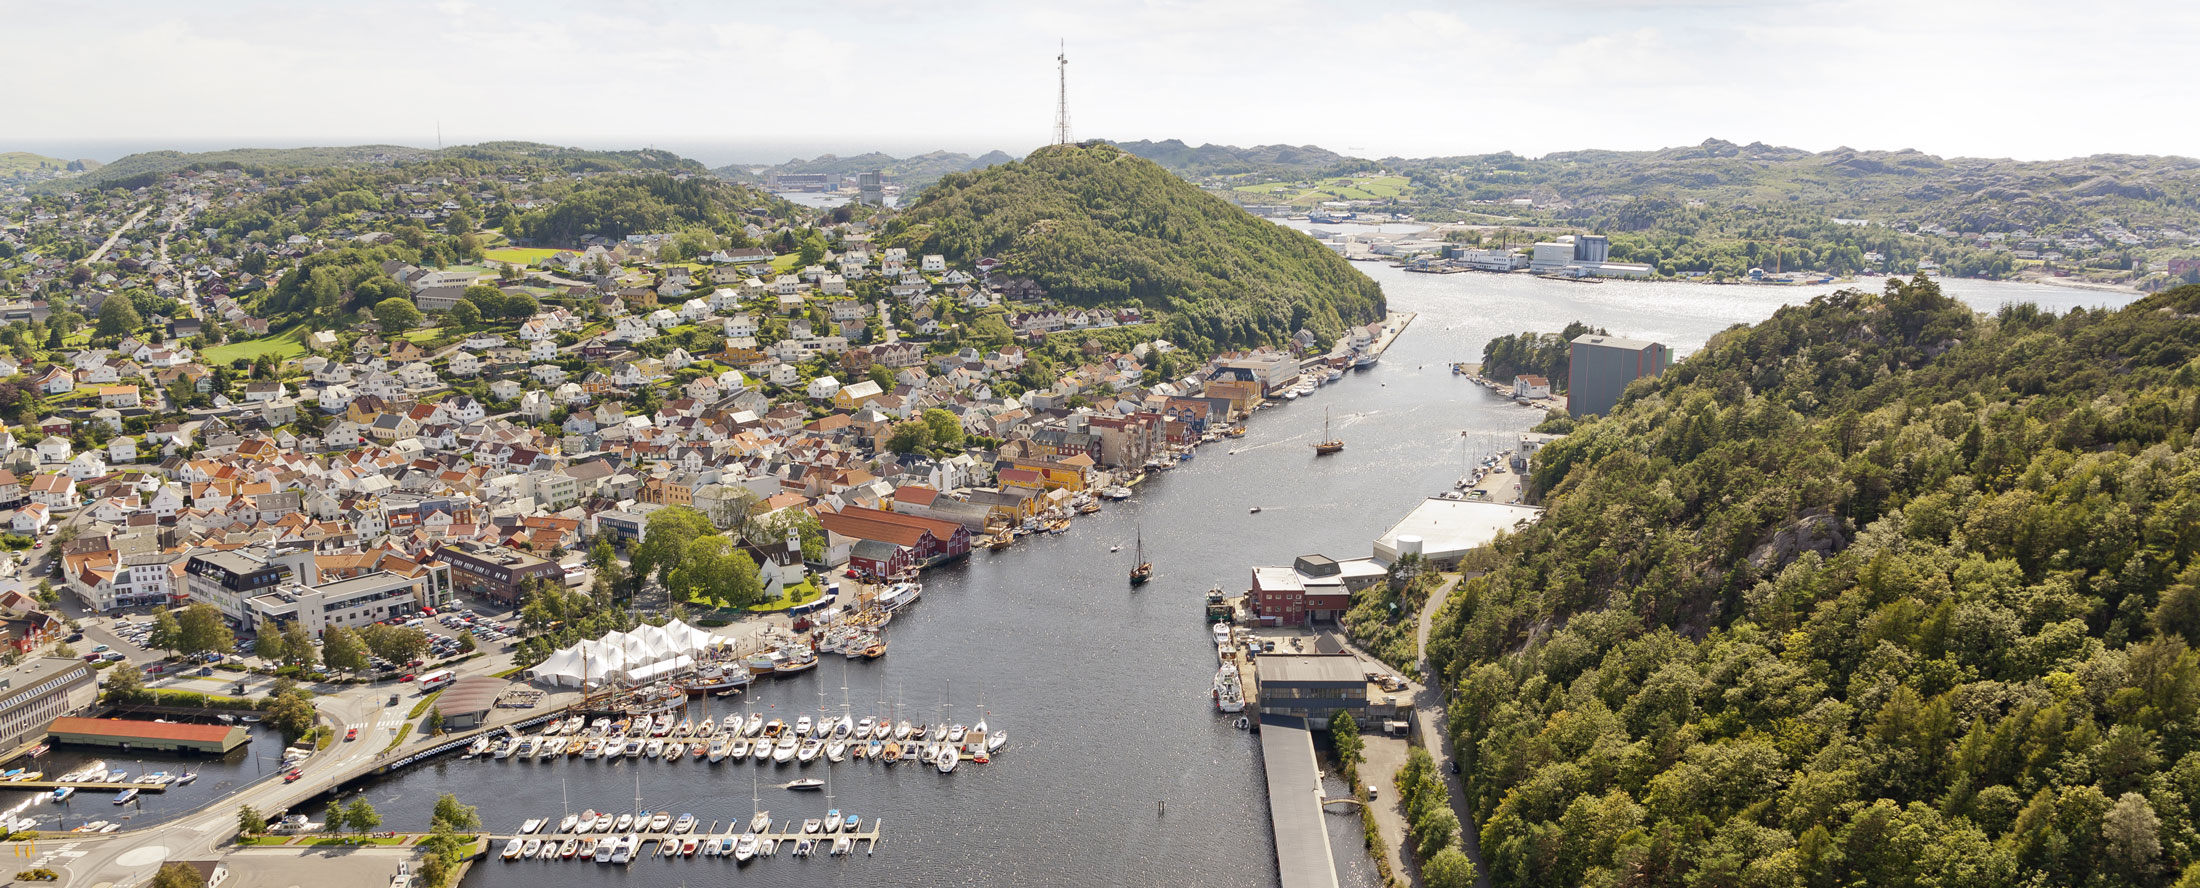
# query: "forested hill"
[1877,592]
[1095,225]
[145,167]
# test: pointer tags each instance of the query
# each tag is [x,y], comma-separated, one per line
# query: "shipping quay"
[1295,792]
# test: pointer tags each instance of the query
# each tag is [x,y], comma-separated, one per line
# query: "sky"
[760,82]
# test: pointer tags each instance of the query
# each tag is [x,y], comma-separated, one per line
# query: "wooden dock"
[865,840]
[51,785]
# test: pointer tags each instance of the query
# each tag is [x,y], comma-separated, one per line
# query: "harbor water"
[1118,771]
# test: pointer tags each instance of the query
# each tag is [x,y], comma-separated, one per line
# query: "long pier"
[867,839]
[51,785]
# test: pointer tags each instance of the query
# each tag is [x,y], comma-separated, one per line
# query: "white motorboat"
[604,822]
[902,730]
[513,848]
[570,821]
[802,726]
[623,850]
[624,823]
[738,749]
[605,849]
[653,749]
[718,749]
[948,759]
[754,725]
[843,845]
[995,740]
[744,849]
[836,750]
[479,746]
[808,751]
[532,848]
[684,824]
[530,826]
[761,822]
[955,734]
[763,751]
[658,822]
[785,751]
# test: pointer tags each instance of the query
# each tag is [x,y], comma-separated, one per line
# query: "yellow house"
[851,397]
[1071,473]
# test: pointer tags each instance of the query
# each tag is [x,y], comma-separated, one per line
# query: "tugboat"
[1329,443]
[1143,570]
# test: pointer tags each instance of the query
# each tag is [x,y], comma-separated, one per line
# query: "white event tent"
[645,653]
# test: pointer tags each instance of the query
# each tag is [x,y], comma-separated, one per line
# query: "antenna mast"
[1061,102]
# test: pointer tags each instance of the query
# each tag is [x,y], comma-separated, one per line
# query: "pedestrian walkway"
[1295,803]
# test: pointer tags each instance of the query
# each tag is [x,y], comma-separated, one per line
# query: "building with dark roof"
[496,572]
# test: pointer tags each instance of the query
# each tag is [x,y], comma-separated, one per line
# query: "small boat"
[891,753]
[901,731]
[763,751]
[687,847]
[658,822]
[653,749]
[569,848]
[832,820]
[1141,569]
[605,849]
[593,750]
[809,750]
[995,740]
[532,848]
[624,823]
[124,797]
[719,747]
[761,822]
[587,850]
[187,777]
[802,726]
[849,825]
[62,793]
[754,725]
[744,850]
[513,849]
[836,750]
[948,759]
[604,822]
[805,847]
[956,733]
[843,845]
[570,821]
[685,824]
[810,826]
[479,746]
[785,751]
[1254,510]
[807,783]
[622,851]
[530,826]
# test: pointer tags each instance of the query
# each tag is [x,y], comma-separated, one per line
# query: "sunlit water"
[1103,689]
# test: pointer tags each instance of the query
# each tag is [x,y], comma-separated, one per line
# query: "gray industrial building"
[39,690]
[1600,367]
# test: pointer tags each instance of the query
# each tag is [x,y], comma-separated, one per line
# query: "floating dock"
[865,839]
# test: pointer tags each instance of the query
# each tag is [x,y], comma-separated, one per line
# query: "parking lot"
[126,638]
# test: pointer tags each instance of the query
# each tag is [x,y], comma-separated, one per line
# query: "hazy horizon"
[1412,79]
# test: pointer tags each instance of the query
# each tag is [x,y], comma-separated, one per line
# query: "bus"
[433,680]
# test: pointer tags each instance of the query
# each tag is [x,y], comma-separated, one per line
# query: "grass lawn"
[787,263]
[357,840]
[285,345]
[519,255]
[803,594]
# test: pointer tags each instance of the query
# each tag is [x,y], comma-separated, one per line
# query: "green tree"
[1449,868]
[396,313]
[465,313]
[125,685]
[117,318]
[268,643]
[397,644]
[298,647]
[665,543]
[813,251]
[914,436]
[167,633]
[946,429]
[202,629]
[361,816]
[177,874]
[342,649]
[291,713]
[882,375]
[467,643]
[249,821]
[452,813]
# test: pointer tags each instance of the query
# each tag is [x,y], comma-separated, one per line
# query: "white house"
[538,350]
[54,449]
[823,388]
[663,319]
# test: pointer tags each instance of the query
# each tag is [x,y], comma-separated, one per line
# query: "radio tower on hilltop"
[1061,102]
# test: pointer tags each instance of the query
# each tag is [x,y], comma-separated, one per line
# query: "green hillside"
[12,162]
[1093,224]
[1876,592]
[142,168]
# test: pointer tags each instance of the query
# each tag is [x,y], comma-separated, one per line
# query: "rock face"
[1819,532]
